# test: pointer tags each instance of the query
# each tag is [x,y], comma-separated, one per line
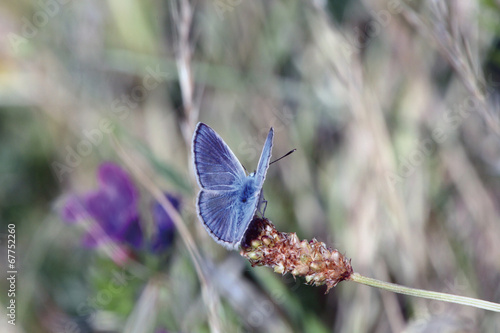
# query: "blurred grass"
[397,165]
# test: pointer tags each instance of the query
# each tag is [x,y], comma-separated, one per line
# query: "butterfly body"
[228,198]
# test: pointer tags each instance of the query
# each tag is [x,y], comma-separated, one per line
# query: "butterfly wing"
[215,165]
[265,157]
[228,198]
[224,217]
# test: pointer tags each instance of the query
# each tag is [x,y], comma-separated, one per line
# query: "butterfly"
[228,198]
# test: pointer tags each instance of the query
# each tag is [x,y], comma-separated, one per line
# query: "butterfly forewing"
[265,157]
[215,164]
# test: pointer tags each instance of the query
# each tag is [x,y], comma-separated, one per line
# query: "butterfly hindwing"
[223,215]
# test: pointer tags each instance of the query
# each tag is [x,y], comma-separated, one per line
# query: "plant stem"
[425,293]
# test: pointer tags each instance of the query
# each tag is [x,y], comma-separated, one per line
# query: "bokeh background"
[392,106]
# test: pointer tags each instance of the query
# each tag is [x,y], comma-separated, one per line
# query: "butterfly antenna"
[291,151]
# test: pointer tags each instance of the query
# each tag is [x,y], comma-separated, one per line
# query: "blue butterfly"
[228,198]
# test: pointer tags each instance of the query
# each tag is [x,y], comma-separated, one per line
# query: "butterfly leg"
[262,201]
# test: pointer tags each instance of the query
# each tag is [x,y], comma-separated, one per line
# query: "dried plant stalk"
[263,245]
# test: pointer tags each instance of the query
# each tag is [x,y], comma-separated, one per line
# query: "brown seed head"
[263,245]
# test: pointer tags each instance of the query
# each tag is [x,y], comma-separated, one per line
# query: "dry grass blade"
[211,300]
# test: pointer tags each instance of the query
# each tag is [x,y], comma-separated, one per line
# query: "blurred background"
[392,106]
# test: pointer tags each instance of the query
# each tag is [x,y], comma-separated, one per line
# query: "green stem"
[425,294]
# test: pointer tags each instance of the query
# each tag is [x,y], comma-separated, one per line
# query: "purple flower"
[113,206]
[164,224]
